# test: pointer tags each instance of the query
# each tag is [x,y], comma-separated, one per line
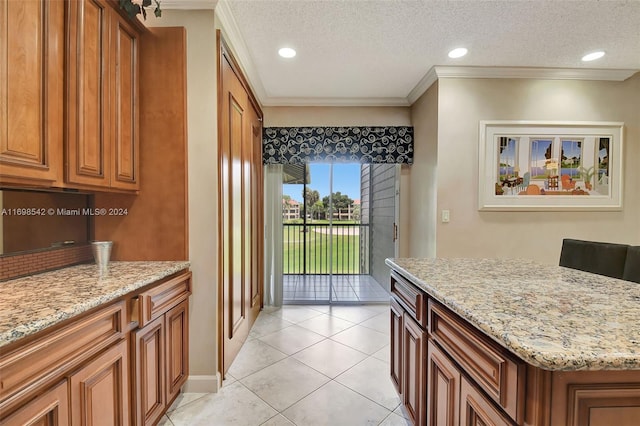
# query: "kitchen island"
[81,346]
[503,341]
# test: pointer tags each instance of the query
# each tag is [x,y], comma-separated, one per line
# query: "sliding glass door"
[326,250]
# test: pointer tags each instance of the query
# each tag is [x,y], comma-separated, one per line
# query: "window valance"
[373,145]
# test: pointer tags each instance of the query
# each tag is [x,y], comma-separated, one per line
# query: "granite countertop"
[33,303]
[551,317]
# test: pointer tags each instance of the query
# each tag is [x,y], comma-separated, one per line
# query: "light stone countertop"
[551,317]
[31,304]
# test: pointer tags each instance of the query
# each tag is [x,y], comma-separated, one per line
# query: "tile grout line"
[329,379]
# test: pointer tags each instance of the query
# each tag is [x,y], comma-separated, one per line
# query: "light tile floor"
[346,288]
[305,366]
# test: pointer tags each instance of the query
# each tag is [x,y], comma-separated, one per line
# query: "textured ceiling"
[359,49]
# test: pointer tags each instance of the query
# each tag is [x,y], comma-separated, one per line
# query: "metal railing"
[315,248]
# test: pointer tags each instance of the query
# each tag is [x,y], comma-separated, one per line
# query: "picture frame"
[550,166]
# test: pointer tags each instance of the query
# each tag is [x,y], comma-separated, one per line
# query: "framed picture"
[535,165]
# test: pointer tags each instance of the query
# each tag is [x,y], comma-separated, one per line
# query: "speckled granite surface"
[31,304]
[551,317]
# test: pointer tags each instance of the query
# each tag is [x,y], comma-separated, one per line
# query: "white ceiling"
[386,52]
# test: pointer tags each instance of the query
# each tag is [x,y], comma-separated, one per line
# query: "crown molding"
[438,72]
[339,102]
[189,4]
[234,39]
[423,85]
[534,73]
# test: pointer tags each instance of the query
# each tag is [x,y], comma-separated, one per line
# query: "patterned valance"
[299,145]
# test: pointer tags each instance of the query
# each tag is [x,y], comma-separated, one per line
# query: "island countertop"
[31,304]
[551,317]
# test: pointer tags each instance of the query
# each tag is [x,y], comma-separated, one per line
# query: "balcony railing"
[338,249]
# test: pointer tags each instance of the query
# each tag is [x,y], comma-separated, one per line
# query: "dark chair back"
[590,256]
[632,265]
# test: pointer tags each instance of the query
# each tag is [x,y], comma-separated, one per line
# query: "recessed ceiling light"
[287,52]
[593,56]
[458,53]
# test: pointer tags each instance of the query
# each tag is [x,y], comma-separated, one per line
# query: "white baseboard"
[202,384]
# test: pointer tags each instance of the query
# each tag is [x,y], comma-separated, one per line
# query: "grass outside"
[345,252]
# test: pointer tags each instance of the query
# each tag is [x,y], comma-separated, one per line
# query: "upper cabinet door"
[31,92]
[88,146]
[124,121]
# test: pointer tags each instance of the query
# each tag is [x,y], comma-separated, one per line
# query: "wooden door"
[443,389]
[124,105]
[88,131]
[177,354]
[149,368]
[49,409]
[476,410]
[240,209]
[31,93]
[414,369]
[253,218]
[100,390]
[397,334]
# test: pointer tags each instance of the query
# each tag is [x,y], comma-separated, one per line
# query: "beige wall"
[336,116]
[462,103]
[420,205]
[203,187]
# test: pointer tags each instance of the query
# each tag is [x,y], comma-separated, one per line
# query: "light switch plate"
[445,216]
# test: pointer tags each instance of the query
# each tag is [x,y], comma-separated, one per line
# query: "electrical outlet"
[445,216]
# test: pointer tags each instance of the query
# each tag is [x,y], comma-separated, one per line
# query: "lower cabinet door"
[476,410]
[443,389]
[177,329]
[414,369]
[149,386]
[49,409]
[396,345]
[100,390]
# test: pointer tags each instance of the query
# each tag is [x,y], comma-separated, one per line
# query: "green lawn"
[345,252]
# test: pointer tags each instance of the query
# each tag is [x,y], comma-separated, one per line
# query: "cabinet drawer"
[411,298]
[159,299]
[40,361]
[490,366]
[476,410]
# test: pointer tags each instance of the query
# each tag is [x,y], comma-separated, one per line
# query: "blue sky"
[346,179]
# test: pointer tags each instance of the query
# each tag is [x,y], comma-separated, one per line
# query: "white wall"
[203,189]
[462,103]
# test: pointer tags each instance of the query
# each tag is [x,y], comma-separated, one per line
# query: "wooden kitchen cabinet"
[443,389]
[177,356]
[102,98]
[161,347]
[414,379]
[476,409]
[49,409]
[31,93]
[103,367]
[396,345]
[451,399]
[149,355]
[100,390]
[470,379]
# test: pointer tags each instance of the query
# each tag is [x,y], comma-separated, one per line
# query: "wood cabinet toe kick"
[117,357]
